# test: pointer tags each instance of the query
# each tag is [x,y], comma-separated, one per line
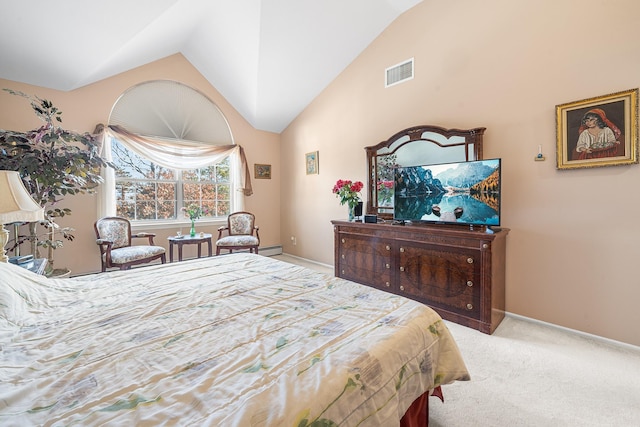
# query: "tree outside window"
[146,191]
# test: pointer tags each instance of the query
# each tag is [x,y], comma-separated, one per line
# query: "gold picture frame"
[600,131]
[311,163]
[261,171]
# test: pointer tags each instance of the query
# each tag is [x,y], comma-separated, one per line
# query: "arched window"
[171,147]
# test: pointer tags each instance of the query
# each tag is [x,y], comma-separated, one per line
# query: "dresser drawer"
[365,260]
[441,277]
[376,279]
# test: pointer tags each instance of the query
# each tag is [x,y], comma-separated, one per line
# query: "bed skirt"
[418,413]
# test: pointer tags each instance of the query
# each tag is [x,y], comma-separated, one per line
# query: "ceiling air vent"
[399,73]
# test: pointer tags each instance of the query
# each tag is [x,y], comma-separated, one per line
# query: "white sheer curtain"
[174,154]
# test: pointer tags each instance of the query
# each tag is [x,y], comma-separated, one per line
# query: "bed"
[234,340]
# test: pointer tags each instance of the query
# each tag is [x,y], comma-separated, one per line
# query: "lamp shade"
[16,204]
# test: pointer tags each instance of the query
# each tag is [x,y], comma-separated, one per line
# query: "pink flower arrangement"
[385,184]
[348,191]
[385,192]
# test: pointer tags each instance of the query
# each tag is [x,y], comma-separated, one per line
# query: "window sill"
[172,225]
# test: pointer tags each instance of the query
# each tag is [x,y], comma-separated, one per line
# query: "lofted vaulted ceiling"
[268,58]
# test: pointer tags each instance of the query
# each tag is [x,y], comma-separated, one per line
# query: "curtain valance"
[176,154]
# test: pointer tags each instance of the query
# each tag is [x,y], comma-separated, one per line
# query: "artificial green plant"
[53,163]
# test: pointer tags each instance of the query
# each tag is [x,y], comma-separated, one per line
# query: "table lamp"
[16,205]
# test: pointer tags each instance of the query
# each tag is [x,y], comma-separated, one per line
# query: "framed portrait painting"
[311,161]
[262,171]
[600,131]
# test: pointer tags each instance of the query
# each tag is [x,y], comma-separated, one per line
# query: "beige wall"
[504,65]
[85,107]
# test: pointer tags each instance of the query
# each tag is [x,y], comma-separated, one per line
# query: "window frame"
[181,220]
[179,182]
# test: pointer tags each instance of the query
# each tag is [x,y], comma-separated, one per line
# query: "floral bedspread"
[234,340]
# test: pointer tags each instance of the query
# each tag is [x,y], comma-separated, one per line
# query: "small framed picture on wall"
[262,171]
[600,131]
[311,161]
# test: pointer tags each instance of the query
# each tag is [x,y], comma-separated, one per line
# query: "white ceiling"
[268,58]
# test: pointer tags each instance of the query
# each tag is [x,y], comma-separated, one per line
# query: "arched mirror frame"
[426,144]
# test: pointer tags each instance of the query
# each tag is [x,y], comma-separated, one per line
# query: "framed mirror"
[414,146]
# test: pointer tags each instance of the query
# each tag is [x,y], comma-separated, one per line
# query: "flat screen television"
[451,193]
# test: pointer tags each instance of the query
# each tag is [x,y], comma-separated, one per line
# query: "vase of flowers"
[193,212]
[349,193]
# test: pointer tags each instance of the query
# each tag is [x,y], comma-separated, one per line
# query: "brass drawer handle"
[402,288]
[401,268]
[470,260]
[469,306]
[485,246]
[401,249]
[343,240]
[469,283]
[342,256]
[386,284]
[388,247]
[387,265]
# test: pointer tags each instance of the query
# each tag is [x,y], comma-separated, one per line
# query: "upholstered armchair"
[239,233]
[114,238]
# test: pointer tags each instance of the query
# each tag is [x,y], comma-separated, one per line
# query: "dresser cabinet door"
[366,261]
[441,277]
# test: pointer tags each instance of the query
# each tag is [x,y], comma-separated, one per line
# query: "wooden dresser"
[458,272]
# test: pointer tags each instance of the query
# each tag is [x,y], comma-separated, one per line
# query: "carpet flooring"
[533,374]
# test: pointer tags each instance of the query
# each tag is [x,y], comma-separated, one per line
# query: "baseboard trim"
[270,250]
[604,340]
[308,260]
[266,251]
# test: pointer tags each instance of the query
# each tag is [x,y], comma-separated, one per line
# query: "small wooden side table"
[198,239]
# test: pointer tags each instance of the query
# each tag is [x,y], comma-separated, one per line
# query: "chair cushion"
[115,231]
[238,241]
[240,224]
[134,253]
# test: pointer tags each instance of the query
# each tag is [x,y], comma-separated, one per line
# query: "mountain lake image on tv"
[455,193]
